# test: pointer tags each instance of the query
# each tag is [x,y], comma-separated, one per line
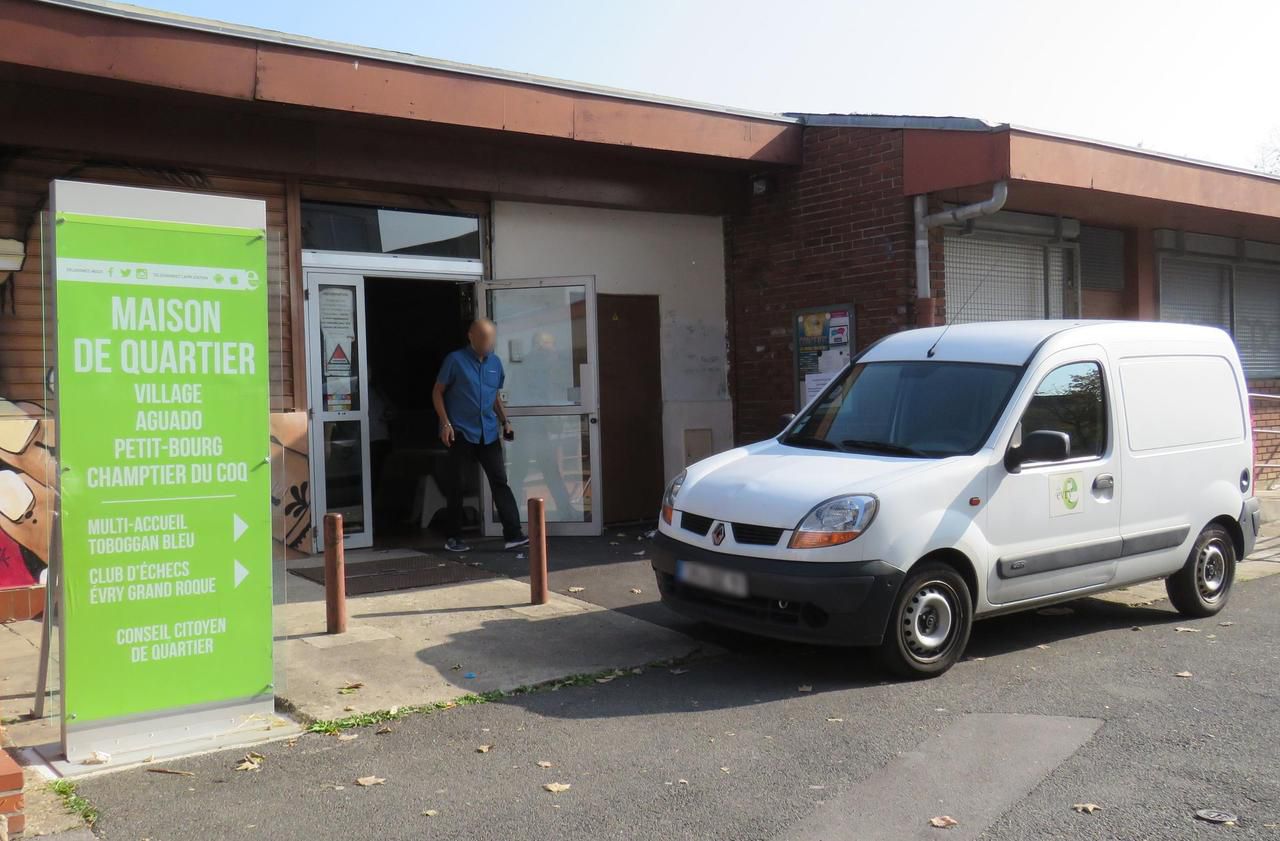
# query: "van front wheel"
[1202,586]
[930,623]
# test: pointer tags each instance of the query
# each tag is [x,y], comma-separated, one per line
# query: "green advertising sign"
[163,407]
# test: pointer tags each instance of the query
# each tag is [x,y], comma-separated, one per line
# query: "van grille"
[693,522]
[756,535]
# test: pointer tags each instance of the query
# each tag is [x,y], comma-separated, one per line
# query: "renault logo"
[717,536]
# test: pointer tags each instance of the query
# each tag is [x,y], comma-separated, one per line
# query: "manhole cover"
[1216,816]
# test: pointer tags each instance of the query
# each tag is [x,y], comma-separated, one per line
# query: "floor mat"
[405,573]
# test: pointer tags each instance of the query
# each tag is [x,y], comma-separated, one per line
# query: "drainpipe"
[924,221]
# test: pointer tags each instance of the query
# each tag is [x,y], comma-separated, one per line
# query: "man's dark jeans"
[462,456]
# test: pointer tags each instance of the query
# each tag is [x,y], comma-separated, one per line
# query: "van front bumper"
[815,602]
[1250,524]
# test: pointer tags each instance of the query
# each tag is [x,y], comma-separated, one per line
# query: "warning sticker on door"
[1065,494]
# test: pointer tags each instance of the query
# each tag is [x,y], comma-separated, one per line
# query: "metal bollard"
[335,576]
[537,551]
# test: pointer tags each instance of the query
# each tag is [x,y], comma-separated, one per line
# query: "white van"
[950,474]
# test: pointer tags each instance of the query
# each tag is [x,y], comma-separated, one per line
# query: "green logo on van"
[1070,493]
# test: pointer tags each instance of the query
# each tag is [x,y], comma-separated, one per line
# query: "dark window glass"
[378,230]
[919,409]
[1070,399]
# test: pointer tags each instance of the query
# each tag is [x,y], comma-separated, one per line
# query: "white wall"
[678,257]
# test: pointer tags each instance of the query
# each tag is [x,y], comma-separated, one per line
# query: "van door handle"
[1104,482]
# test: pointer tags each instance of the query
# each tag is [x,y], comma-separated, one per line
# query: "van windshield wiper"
[881,447]
[811,442]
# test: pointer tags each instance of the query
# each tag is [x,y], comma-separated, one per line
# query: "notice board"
[163,399]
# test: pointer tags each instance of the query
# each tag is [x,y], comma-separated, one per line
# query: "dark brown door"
[630,406]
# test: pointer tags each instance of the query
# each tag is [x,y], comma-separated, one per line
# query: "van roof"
[1015,342]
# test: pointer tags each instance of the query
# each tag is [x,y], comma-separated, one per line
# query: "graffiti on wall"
[291,484]
[27,478]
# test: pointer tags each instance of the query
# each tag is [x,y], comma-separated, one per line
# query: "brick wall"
[11,804]
[1266,415]
[836,231]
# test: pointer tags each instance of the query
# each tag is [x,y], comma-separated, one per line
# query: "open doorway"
[410,326]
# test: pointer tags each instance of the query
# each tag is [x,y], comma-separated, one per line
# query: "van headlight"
[669,498]
[835,521]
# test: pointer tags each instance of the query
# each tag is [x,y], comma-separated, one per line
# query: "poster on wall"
[337,345]
[823,341]
[163,390]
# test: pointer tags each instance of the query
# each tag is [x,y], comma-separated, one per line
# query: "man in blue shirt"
[472,418]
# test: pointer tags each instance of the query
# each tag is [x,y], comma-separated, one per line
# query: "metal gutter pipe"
[925,221]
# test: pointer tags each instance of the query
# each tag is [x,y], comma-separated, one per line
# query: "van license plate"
[727,581]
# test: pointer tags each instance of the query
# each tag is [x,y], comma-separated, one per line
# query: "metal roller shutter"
[1003,279]
[1195,292]
[1257,320]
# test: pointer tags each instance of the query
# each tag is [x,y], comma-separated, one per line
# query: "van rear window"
[1180,401]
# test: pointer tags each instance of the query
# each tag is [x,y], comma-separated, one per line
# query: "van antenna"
[934,347]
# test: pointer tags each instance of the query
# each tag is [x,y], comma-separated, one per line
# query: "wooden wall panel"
[26,326]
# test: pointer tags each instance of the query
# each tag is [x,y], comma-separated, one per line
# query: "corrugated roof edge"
[233,30]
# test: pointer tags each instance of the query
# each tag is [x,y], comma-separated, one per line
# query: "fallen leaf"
[1225,624]
[683,782]
[576,589]
[173,771]
[251,762]
[382,731]
[635,591]
[724,769]
[1086,808]
[679,671]
[1181,629]
[1183,674]
[804,688]
[370,781]
[430,813]
[605,679]
[544,764]
[348,709]
[97,758]
[348,737]
[638,554]
[835,720]
[484,748]
[456,667]
[1042,647]
[943,822]
[556,788]
[350,688]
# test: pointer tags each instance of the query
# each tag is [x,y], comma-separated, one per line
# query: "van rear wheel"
[930,623]
[1203,585]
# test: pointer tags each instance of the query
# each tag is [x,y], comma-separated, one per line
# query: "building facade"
[668,278]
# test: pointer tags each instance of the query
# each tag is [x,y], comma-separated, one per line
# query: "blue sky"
[1187,77]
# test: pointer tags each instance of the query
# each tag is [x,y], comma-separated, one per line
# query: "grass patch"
[75,804]
[337,725]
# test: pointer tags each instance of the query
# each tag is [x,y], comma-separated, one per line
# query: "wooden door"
[630,406]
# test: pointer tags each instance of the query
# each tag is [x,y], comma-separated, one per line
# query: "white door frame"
[317,266]
[587,407]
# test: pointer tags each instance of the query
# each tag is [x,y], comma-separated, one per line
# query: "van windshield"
[912,409]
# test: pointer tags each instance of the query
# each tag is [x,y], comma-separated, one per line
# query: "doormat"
[406,573]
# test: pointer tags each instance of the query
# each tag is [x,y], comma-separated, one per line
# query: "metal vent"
[697,524]
[756,535]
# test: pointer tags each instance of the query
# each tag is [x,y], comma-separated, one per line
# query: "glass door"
[547,343]
[339,412]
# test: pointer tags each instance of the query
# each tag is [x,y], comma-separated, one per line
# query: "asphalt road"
[734,748]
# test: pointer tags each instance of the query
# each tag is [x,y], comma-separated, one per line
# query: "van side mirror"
[1041,445]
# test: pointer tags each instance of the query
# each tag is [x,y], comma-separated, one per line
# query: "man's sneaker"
[516,543]
[454,544]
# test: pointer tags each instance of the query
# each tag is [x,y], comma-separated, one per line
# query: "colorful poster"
[817,332]
[163,406]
